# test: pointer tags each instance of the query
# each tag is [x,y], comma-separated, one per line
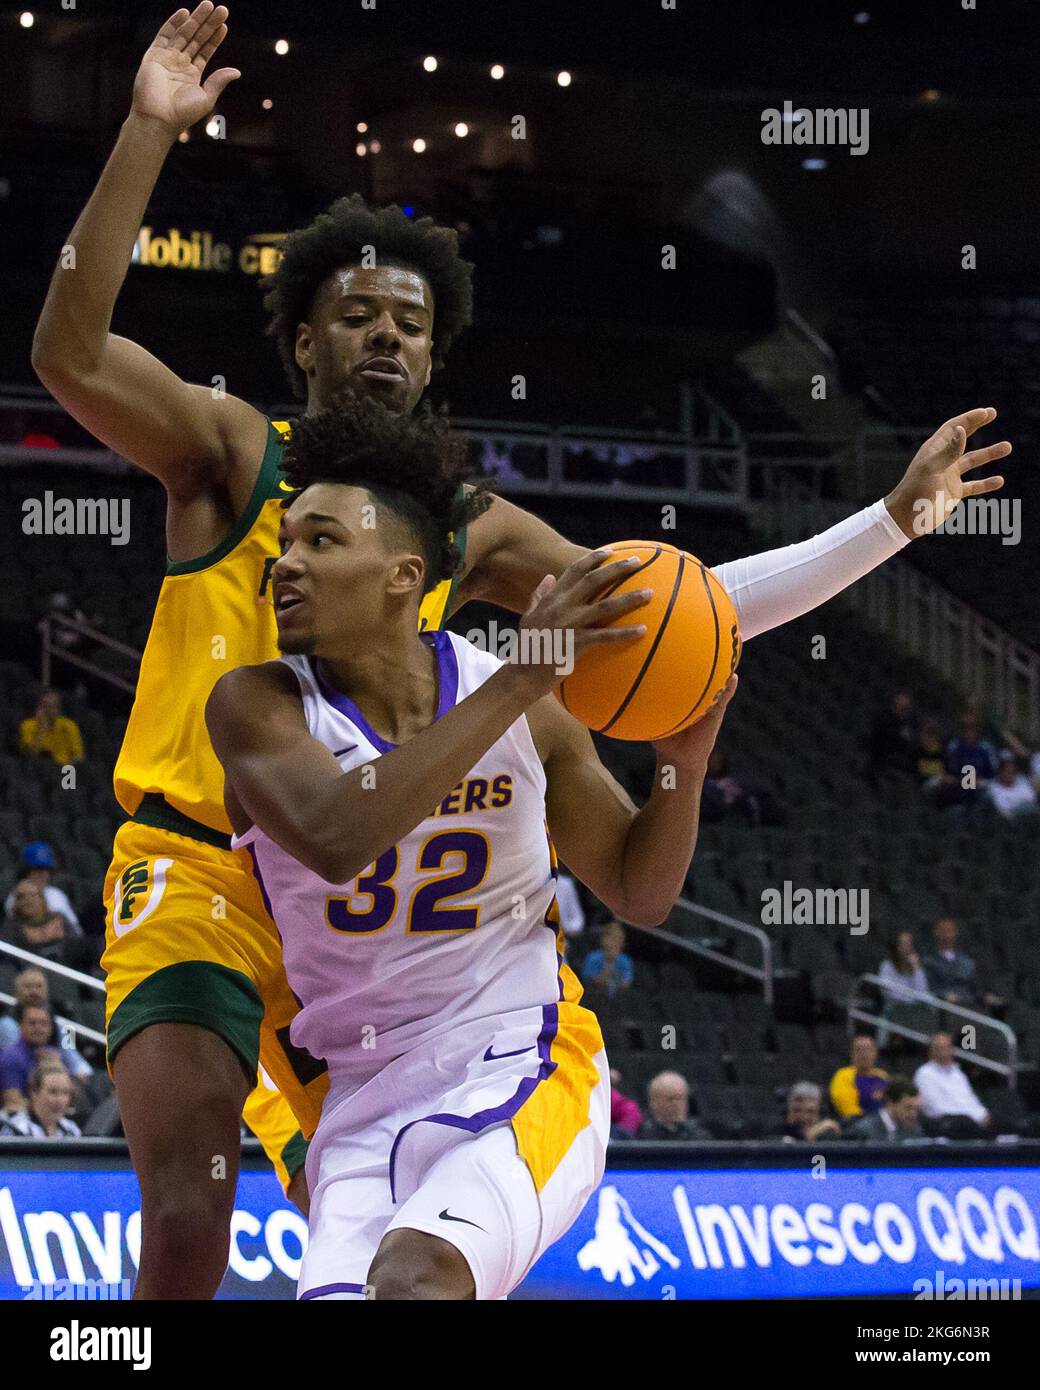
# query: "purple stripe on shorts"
[495,1113]
[323,1289]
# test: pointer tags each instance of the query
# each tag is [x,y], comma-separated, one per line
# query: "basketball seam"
[714,660]
[650,654]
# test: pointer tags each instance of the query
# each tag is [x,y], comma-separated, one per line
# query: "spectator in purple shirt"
[36,1044]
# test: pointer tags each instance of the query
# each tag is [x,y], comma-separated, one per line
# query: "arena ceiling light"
[498,72]
[361,149]
[362,127]
[419,146]
[27,19]
[461,129]
[563,79]
[430,63]
[281,47]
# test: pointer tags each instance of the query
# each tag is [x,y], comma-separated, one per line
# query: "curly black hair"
[415,466]
[336,238]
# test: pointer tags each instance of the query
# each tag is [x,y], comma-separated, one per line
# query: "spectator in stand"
[625,1114]
[896,1120]
[45,1116]
[572,914]
[948,1102]
[893,738]
[30,987]
[901,974]
[32,925]
[1011,793]
[967,750]
[804,1123]
[609,968]
[723,797]
[52,733]
[930,761]
[37,1040]
[669,1097]
[951,973]
[37,867]
[858,1088]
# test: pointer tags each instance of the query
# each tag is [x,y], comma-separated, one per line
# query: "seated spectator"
[669,1098]
[50,1095]
[858,1088]
[609,968]
[36,1041]
[30,987]
[625,1114]
[32,925]
[37,867]
[967,750]
[1011,792]
[51,733]
[897,1118]
[952,974]
[930,760]
[901,974]
[893,738]
[804,1123]
[723,797]
[947,1094]
[572,914]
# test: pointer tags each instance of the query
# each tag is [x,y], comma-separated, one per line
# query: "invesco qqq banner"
[720,1233]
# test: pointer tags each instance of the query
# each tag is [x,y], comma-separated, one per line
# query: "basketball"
[668,679]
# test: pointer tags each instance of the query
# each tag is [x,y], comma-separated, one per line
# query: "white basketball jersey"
[455,923]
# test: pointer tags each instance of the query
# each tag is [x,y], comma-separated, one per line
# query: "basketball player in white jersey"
[394,791]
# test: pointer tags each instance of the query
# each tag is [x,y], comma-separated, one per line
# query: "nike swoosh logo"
[490,1056]
[338,752]
[444,1216]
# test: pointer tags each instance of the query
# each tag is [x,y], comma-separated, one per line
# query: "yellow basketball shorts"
[189,940]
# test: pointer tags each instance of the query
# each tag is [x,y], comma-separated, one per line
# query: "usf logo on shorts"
[138,893]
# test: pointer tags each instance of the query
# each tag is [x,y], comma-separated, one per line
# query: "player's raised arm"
[336,823]
[114,387]
[509,549]
[634,861]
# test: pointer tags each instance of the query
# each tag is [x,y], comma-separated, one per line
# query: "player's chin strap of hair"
[773,588]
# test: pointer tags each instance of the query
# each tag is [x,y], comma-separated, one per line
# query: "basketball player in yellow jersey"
[364,300]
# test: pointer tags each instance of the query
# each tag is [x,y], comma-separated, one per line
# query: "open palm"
[169,86]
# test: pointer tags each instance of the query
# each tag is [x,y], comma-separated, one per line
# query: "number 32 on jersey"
[373,901]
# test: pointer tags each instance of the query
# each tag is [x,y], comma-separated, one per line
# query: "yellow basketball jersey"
[213,614]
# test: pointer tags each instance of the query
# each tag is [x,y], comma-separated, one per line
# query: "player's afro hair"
[336,238]
[413,464]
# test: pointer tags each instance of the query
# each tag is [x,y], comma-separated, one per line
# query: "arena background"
[826,311]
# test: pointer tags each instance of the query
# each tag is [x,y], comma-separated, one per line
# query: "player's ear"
[407,576]
[304,352]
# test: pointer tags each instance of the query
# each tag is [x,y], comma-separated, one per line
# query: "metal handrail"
[854,1012]
[50,649]
[765,974]
[69,1023]
[54,966]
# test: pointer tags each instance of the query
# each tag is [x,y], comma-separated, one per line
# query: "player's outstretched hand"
[566,616]
[691,749]
[934,483]
[169,86]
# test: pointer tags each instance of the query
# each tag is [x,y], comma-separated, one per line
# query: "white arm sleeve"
[773,588]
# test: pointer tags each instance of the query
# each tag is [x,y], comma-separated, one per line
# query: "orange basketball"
[668,679]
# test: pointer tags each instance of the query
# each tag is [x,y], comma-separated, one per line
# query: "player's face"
[334,584]
[370,331]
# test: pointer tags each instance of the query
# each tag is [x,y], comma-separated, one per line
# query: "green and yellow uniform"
[188,937]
